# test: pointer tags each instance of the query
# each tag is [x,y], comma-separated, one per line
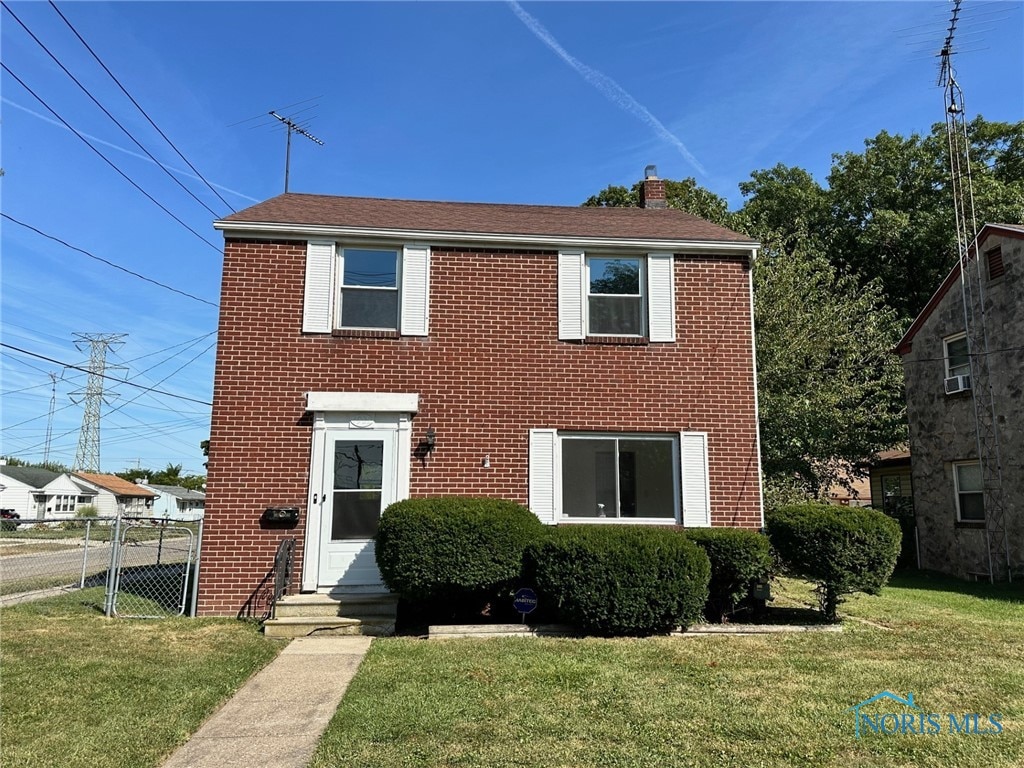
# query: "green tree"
[830,391]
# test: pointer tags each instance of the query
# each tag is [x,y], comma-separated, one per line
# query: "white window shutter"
[694,474]
[544,472]
[415,291]
[661,298]
[318,297]
[571,295]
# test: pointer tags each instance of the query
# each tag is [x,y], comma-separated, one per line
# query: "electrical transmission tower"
[972,281]
[87,457]
[49,417]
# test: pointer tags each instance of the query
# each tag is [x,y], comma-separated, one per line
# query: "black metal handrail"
[284,560]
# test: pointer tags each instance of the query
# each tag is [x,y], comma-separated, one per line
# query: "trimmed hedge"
[843,549]
[620,580]
[453,548]
[740,559]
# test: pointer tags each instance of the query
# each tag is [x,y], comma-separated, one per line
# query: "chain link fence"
[147,567]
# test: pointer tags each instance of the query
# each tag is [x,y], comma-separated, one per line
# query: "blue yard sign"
[525,601]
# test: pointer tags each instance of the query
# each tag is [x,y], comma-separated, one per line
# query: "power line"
[116,122]
[105,261]
[112,378]
[139,107]
[107,160]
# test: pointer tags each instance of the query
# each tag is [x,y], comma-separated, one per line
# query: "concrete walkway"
[276,719]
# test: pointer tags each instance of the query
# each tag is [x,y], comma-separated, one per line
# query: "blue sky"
[495,102]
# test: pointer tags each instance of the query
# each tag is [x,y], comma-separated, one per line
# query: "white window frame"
[957,492]
[692,495]
[657,295]
[341,286]
[641,286]
[945,355]
[324,281]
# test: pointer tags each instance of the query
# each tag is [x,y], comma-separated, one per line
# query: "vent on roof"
[995,263]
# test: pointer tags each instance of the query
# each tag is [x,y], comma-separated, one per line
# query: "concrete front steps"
[333,614]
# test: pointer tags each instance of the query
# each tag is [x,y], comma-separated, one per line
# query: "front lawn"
[82,690]
[700,701]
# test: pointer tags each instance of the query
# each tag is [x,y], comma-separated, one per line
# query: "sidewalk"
[276,719]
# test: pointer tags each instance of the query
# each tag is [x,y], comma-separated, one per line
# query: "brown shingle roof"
[485,218]
[116,485]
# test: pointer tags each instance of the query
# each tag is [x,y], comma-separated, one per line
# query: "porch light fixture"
[431,440]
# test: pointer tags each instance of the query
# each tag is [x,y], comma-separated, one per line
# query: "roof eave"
[301,231]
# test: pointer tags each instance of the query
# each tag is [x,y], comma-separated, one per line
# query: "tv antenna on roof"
[292,128]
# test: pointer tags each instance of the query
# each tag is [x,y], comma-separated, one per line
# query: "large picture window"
[969,488]
[369,289]
[619,477]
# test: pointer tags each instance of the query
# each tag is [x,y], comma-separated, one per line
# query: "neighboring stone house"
[116,496]
[956,530]
[35,493]
[596,364]
[174,502]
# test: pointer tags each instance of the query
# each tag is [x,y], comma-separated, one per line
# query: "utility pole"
[87,457]
[292,128]
[972,287]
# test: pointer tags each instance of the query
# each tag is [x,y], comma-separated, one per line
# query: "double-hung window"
[969,486]
[366,288]
[616,295]
[615,300]
[369,289]
[958,361]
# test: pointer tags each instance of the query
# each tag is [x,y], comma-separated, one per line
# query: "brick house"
[962,528]
[596,364]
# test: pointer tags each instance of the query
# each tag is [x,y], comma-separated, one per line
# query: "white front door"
[358,482]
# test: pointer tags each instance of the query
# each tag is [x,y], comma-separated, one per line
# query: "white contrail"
[170,168]
[608,87]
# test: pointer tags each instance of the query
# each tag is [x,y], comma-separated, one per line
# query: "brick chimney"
[652,191]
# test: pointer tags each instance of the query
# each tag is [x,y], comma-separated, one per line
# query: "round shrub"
[843,549]
[453,548]
[740,559]
[620,580]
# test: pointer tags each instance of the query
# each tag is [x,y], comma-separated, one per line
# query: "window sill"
[364,333]
[618,521]
[618,341]
[979,524]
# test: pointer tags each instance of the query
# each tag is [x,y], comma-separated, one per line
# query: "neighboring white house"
[35,493]
[116,496]
[176,503]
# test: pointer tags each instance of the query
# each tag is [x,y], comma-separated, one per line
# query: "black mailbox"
[281,515]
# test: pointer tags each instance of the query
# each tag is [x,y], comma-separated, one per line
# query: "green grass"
[707,701]
[82,690]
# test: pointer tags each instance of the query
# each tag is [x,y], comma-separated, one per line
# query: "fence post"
[115,557]
[195,569]
[85,552]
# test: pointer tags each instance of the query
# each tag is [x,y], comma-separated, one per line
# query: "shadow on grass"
[1012,593]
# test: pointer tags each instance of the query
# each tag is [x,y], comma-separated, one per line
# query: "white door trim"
[324,423]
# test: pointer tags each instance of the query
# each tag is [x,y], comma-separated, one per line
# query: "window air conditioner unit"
[956,384]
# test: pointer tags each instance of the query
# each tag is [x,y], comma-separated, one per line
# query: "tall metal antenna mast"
[973,296]
[292,128]
[87,457]
[49,417]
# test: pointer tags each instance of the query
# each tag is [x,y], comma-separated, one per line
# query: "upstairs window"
[615,301]
[616,295]
[996,268]
[369,289]
[366,289]
[958,361]
[969,488]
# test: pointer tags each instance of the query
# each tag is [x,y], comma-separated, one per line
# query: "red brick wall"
[491,369]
